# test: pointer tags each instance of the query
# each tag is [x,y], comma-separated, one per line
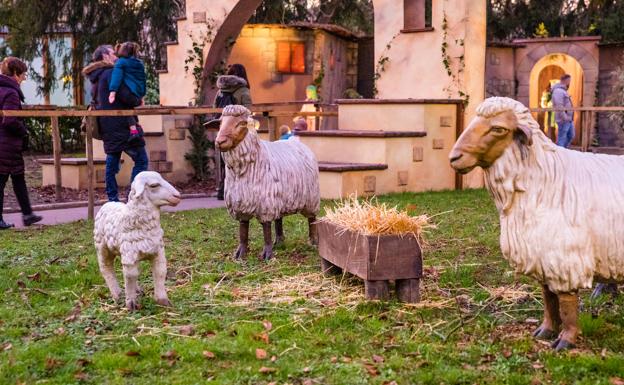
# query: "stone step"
[366,147]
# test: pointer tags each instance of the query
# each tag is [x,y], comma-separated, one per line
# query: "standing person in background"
[565,119]
[115,130]
[130,71]
[233,89]
[13,140]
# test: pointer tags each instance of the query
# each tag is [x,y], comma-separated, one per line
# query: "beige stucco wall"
[414,68]
[256,48]
[431,172]
[177,86]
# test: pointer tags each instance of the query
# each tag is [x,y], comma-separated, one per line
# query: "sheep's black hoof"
[164,302]
[561,344]
[542,333]
[241,253]
[132,306]
[267,253]
[604,288]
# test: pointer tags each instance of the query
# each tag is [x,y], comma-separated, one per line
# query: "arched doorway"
[545,73]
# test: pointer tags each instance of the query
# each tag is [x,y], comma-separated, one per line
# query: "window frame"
[290,43]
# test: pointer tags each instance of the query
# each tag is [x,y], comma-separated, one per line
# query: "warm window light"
[291,57]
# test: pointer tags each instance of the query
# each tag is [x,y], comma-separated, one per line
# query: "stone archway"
[583,49]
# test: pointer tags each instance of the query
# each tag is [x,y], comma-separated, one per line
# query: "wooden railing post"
[271,123]
[459,128]
[90,172]
[56,148]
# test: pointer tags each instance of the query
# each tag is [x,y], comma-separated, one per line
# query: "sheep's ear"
[523,135]
[253,123]
[137,189]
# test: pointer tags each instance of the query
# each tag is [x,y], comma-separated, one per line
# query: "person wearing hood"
[13,139]
[115,130]
[233,89]
[565,118]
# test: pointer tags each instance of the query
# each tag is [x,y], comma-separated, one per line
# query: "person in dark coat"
[13,138]
[115,130]
[233,88]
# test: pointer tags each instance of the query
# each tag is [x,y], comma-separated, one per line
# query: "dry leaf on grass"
[265,369]
[616,381]
[371,369]
[81,376]
[267,325]
[261,354]
[377,358]
[187,330]
[52,363]
[132,353]
[208,354]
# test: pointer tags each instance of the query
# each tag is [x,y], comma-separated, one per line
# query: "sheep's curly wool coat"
[561,211]
[131,230]
[268,180]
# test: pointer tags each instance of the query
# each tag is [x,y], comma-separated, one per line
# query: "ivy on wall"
[454,66]
[380,66]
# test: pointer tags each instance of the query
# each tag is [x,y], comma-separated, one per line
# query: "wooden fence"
[267,111]
[588,121]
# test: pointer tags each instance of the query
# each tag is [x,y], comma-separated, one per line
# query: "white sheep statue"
[560,210]
[132,231]
[265,180]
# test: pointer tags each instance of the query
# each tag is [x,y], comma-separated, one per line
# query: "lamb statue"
[560,210]
[132,231]
[265,180]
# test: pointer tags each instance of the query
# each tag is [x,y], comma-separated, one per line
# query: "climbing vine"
[454,65]
[198,155]
[380,66]
[194,62]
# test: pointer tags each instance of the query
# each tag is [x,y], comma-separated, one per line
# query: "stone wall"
[609,133]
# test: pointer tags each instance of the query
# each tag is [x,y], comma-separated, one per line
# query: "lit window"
[291,57]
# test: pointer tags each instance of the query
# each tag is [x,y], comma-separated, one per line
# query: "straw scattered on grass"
[372,218]
[313,287]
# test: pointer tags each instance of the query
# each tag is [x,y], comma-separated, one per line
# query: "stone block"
[537,53]
[152,166]
[158,156]
[261,32]
[199,17]
[246,32]
[177,134]
[577,52]
[418,154]
[402,178]
[370,184]
[165,167]
[277,32]
[446,121]
[182,123]
[494,59]
[100,176]
[438,144]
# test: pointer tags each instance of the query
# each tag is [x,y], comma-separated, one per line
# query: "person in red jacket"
[13,138]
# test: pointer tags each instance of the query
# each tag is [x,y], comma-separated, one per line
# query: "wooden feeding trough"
[375,259]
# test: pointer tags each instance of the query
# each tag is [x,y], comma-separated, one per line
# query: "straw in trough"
[372,218]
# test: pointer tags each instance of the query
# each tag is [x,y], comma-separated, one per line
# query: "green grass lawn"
[282,322]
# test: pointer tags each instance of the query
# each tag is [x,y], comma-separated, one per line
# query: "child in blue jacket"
[131,72]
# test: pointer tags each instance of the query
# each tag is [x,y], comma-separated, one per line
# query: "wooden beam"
[56,148]
[90,173]
[138,111]
[459,128]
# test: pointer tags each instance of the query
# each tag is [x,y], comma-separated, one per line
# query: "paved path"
[56,217]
